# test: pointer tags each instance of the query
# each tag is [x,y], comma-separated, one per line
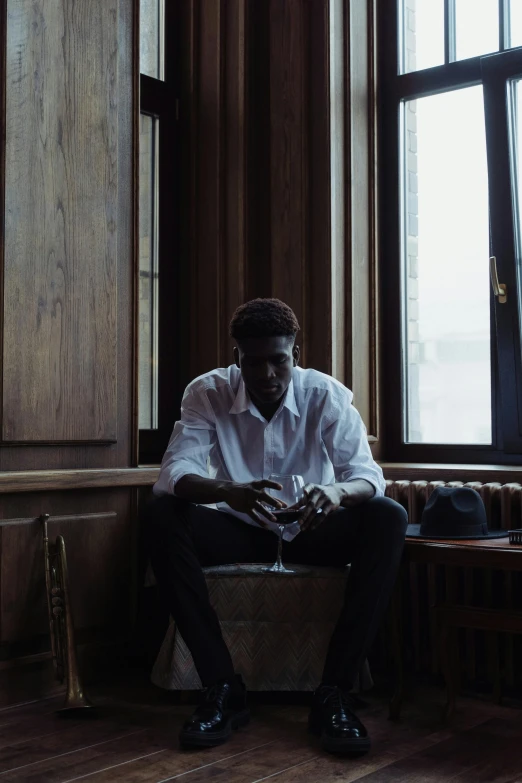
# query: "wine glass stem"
[279,561]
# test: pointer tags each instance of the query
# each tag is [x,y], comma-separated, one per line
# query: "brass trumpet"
[61,623]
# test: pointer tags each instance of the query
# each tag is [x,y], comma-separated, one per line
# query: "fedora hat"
[457,513]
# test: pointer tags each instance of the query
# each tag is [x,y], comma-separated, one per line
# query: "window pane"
[151,38]
[476,27]
[515,23]
[445,270]
[423,34]
[148,282]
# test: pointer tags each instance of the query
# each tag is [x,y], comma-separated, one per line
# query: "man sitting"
[238,425]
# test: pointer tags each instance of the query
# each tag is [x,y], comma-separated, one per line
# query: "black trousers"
[184,537]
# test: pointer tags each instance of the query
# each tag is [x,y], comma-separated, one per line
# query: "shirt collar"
[243,402]
[290,401]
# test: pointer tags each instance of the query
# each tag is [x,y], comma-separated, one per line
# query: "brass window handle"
[499,289]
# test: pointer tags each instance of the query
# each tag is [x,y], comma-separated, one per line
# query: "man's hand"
[318,502]
[249,499]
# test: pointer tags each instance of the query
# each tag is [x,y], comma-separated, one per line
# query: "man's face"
[266,365]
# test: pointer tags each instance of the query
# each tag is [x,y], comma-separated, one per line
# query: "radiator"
[503,502]
[487,660]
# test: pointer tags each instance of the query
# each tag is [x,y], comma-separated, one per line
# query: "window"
[451,86]
[152,38]
[158,272]
[445,254]
[148,274]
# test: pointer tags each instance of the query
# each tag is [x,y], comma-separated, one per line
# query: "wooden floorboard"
[29,710]
[475,755]
[67,741]
[230,764]
[134,740]
[88,759]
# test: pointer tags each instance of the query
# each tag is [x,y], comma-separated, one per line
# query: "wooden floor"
[134,739]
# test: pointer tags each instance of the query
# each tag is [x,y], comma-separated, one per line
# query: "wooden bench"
[495,553]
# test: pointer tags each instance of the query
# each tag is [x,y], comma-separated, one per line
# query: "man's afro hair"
[263,318]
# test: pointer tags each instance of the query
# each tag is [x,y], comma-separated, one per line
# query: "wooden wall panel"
[288,155]
[360,212]
[99,558]
[282,178]
[301,220]
[61,221]
[258,282]
[301,176]
[235,130]
[319,334]
[207,193]
[100,538]
[218,176]
[99,542]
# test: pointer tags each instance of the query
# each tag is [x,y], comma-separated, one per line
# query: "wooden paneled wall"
[68,85]
[278,105]
[276,113]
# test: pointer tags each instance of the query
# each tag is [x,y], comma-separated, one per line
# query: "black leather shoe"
[222,709]
[332,719]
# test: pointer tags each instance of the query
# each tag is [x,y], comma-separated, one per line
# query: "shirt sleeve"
[193,437]
[347,445]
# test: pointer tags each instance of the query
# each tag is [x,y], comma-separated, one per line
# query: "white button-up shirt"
[316,433]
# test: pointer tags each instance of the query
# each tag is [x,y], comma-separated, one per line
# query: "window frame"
[160,99]
[396,87]
[497,72]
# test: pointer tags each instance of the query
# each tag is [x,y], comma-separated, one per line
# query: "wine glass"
[291,493]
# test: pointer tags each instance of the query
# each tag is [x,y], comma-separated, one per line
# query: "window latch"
[499,289]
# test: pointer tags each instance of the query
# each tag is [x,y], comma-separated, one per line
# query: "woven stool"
[277,628]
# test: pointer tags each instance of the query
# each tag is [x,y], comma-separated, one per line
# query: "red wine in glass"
[287,516]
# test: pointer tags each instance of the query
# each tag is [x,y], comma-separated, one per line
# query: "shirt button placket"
[270,455]
[266,464]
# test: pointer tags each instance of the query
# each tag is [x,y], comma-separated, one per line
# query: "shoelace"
[213,692]
[337,698]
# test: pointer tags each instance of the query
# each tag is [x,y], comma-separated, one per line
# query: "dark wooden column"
[282,178]
[360,155]
[218,175]
[300,170]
